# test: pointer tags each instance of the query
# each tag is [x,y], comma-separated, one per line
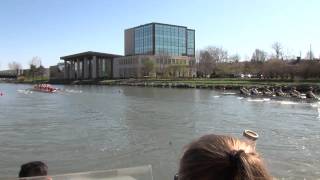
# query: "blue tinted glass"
[143,39]
[190,42]
[170,40]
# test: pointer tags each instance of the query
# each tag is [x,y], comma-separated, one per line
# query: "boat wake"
[288,102]
[24,91]
[72,91]
[229,93]
[259,100]
[316,105]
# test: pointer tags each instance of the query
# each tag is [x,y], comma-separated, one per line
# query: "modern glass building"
[151,50]
[158,38]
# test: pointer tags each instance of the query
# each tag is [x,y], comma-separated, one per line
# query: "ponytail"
[240,167]
[221,158]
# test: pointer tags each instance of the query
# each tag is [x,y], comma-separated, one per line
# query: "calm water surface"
[88,128]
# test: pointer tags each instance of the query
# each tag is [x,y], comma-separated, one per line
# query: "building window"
[170,40]
[190,42]
[143,39]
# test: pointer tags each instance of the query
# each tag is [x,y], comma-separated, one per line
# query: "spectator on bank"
[216,157]
[34,169]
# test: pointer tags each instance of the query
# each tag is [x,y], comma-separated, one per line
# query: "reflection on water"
[84,128]
[317,106]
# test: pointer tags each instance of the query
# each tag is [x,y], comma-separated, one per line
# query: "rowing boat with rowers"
[46,88]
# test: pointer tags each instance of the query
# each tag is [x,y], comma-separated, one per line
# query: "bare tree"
[35,61]
[278,49]
[309,55]
[35,64]
[218,53]
[41,70]
[206,63]
[259,56]
[234,58]
[14,66]
[208,59]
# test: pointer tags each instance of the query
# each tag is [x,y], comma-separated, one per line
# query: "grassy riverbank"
[222,81]
[229,83]
[26,80]
[214,83]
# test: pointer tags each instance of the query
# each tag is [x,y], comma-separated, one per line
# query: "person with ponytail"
[218,157]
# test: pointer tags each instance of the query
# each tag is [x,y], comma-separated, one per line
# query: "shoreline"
[218,84]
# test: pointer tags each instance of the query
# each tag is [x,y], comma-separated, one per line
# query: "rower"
[254,91]
[266,91]
[310,94]
[279,92]
[244,91]
[294,92]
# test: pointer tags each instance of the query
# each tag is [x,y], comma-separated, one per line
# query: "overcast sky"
[53,28]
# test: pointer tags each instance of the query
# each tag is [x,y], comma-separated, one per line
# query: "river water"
[86,128]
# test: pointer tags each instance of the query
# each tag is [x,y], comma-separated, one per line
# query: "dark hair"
[35,168]
[215,157]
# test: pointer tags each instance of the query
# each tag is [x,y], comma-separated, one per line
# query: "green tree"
[148,66]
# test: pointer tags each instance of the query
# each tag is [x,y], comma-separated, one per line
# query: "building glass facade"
[170,40]
[190,42]
[143,40]
[157,38]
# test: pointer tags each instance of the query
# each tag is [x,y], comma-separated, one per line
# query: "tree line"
[215,62]
[36,69]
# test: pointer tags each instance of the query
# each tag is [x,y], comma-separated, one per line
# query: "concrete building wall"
[127,67]
[55,72]
[134,66]
[129,42]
